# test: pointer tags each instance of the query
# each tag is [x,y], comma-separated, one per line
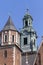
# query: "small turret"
[28,34]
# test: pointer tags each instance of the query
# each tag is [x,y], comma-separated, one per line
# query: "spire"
[9,25]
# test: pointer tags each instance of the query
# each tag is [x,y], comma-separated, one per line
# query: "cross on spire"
[27,10]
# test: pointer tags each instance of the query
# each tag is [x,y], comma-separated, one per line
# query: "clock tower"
[28,34]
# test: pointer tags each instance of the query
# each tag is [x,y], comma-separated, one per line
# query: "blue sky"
[17,8]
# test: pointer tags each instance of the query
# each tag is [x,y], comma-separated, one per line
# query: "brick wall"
[13,56]
[9,59]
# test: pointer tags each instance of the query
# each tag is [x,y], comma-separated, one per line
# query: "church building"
[10,52]
[19,48]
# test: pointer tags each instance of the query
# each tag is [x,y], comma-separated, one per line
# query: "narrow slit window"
[39,58]
[5,53]
[34,42]
[5,38]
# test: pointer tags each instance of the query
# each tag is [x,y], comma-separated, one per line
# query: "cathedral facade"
[19,48]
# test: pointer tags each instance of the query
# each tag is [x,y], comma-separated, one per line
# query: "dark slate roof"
[9,25]
[31,59]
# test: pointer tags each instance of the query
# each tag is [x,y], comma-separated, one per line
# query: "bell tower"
[27,20]
[28,34]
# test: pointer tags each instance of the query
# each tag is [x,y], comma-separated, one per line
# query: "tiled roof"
[9,25]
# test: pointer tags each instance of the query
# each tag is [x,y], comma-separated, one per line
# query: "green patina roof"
[26,16]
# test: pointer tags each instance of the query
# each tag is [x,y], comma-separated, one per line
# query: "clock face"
[25,32]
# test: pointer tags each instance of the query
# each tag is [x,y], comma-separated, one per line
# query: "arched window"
[26,23]
[25,40]
[5,38]
[12,38]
